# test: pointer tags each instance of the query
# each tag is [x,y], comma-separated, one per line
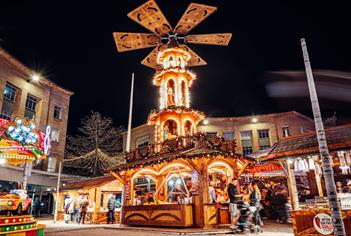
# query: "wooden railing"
[199,140]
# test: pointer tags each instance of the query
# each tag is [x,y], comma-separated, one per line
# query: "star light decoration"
[23,133]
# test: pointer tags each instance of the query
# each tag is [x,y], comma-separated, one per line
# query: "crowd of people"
[80,208]
[268,201]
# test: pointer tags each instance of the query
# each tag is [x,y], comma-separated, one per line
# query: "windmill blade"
[151,59]
[132,41]
[212,39]
[151,17]
[195,59]
[193,15]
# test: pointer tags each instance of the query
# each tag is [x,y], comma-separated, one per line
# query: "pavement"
[63,229]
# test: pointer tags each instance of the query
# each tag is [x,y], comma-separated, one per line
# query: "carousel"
[176,178]
[21,144]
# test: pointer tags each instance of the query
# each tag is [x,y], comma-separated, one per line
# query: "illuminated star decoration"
[23,133]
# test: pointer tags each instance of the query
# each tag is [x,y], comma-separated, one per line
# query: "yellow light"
[35,77]
[254,120]
[205,122]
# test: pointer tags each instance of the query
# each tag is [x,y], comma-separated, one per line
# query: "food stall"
[97,191]
[300,157]
[169,188]
[21,143]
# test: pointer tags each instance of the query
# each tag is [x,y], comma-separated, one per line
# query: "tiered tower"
[175,117]
[171,57]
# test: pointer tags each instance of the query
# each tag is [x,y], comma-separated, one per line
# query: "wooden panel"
[151,17]
[150,60]
[195,60]
[224,217]
[131,41]
[173,215]
[101,217]
[213,39]
[210,214]
[193,15]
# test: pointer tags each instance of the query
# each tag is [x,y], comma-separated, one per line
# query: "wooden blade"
[133,41]
[150,60]
[195,60]
[151,17]
[194,15]
[213,39]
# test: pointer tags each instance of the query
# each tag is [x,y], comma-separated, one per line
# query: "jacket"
[111,204]
[232,193]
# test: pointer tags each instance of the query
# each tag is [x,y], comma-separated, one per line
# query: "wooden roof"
[337,138]
[93,182]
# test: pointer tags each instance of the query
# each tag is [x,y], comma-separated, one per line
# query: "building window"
[8,101]
[263,138]
[246,141]
[55,135]
[143,141]
[228,135]
[286,132]
[31,104]
[57,112]
[51,164]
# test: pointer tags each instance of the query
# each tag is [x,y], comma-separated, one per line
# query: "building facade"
[252,133]
[23,96]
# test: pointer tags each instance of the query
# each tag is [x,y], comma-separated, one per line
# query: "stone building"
[252,133]
[24,95]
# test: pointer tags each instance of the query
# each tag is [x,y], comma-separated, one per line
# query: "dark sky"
[71,43]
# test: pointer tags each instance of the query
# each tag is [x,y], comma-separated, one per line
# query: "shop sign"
[323,224]
[345,200]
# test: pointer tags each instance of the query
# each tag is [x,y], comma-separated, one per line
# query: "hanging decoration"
[21,142]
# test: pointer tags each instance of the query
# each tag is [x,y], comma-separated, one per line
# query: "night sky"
[71,43]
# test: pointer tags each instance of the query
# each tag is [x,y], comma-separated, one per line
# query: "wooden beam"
[246,164]
[117,176]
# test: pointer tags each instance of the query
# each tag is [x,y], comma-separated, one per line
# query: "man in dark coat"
[233,195]
[111,206]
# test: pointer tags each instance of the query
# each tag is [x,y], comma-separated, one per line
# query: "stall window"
[228,135]
[286,131]
[246,141]
[8,101]
[105,196]
[143,141]
[263,136]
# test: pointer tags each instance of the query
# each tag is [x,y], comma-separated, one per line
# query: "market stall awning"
[338,138]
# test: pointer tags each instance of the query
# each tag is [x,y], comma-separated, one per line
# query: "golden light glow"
[173,57]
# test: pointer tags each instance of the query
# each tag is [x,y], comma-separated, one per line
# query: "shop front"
[180,188]
[300,156]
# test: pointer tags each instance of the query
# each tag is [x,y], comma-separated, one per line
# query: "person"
[111,206]
[233,195]
[76,206]
[348,189]
[83,209]
[90,211]
[70,210]
[212,194]
[150,198]
[37,206]
[255,200]
[246,195]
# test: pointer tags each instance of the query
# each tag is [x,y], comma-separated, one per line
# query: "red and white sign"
[323,224]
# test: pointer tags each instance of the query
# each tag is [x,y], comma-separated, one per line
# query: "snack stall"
[97,191]
[300,157]
[169,188]
[21,143]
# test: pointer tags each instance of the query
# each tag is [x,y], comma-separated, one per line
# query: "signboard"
[127,189]
[345,200]
[323,224]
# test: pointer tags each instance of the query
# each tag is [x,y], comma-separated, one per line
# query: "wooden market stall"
[171,187]
[300,156]
[97,190]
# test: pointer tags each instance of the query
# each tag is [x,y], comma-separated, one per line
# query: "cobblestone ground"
[270,229]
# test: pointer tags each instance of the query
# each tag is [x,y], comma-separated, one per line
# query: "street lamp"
[205,122]
[34,77]
[254,120]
